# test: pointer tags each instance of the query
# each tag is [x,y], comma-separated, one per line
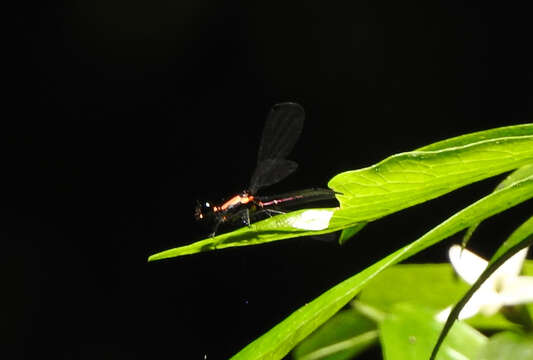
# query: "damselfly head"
[202,210]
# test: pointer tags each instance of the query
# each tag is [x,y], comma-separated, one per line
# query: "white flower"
[503,287]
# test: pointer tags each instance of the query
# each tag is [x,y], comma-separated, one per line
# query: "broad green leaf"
[519,239]
[433,286]
[409,333]
[345,335]
[517,130]
[277,342]
[508,345]
[393,184]
[404,180]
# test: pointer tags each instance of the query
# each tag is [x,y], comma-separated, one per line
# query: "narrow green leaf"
[277,342]
[350,232]
[517,241]
[522,237]
[528,268]
[517,175]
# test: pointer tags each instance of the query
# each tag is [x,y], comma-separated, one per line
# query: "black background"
[120,114]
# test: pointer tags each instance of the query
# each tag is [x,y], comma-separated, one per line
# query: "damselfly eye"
[200,210]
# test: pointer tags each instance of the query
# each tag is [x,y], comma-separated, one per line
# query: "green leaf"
[528,268]
[519,239]
[508,345]
[436,287]
[517,175]
[393,184]
[283,226]
[507,131]
[345,335]
[350,232]
[277,342]
[407,179]
[410,332]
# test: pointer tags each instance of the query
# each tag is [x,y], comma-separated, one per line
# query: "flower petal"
[512,267]
[467,264]
[518,290]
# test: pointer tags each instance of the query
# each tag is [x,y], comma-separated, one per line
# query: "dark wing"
[283,127]
[270,171]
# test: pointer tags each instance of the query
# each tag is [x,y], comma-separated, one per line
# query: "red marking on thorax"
[234,201]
